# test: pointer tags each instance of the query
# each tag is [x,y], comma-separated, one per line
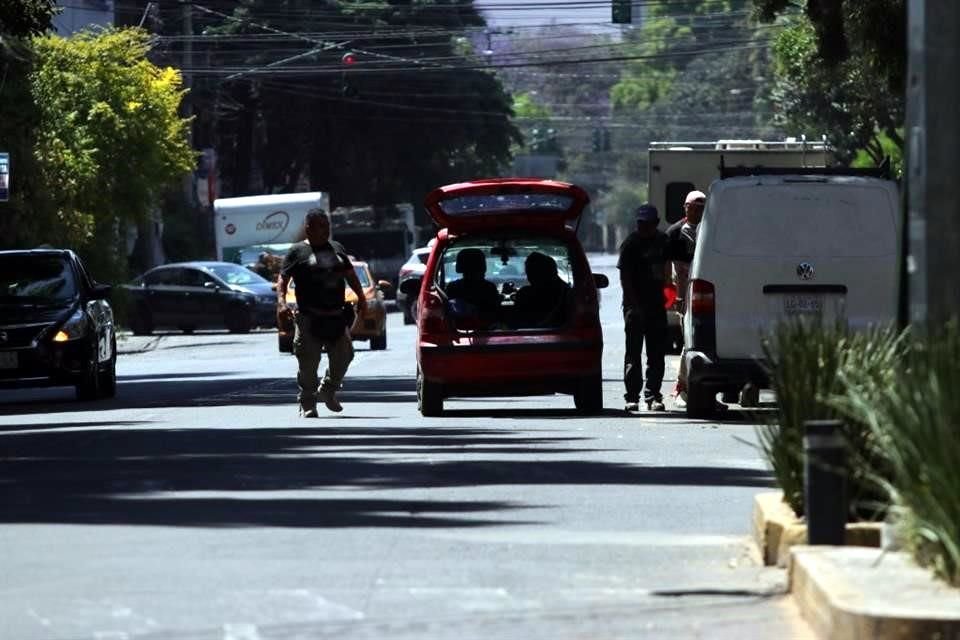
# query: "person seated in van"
[543,302]
[473,295]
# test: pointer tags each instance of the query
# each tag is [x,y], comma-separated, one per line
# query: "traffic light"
[346,87]
[621,11]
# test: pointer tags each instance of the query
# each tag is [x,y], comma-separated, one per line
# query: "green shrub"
[803,359]
[809,364]
[913,416]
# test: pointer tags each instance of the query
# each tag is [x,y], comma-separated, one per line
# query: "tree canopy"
[415,109]
[25,18]
[101,141]
[841,65]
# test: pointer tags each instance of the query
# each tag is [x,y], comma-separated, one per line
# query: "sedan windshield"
[36,279]
[235,274]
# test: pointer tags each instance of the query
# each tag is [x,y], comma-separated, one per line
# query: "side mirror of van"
[384,285]
[601,280]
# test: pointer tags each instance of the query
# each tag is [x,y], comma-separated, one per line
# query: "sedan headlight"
[73,329]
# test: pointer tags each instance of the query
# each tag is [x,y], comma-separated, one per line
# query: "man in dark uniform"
[645,258]
[318,267]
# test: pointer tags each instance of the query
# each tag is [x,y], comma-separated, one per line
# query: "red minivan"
[524,317]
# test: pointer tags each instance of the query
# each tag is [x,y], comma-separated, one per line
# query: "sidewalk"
[855,592]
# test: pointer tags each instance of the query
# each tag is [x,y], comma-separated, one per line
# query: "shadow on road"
[201,390]
[153,476]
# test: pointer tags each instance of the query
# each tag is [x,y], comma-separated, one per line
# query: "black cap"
[647,213]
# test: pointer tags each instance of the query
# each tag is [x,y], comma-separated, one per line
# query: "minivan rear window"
[808,219]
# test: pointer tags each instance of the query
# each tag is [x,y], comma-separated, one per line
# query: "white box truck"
[676,168]
[256,221]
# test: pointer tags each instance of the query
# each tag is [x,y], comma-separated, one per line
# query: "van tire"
[701,400]
[429,397]
[588,396]
[379,343]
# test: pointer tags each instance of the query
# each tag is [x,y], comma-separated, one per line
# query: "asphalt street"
[198,505]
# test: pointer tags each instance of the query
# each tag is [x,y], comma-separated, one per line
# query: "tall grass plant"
[913,416]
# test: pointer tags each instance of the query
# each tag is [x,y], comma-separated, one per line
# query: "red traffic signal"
[349,58]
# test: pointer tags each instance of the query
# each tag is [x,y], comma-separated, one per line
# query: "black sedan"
[56,326]
[201,295]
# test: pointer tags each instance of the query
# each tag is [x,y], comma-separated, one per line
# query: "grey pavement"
[198,505]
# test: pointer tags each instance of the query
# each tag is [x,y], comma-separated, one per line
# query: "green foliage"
[25,18]
[107,139]
[621,200]
[94,136]
[811,364]
[841,73]
[389,129]
[912,414]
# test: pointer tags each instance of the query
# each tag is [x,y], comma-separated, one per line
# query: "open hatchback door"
[487,205]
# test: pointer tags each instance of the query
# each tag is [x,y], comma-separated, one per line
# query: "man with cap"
[684,233]
[644,265]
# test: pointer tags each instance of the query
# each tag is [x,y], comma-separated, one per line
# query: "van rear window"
[809,219]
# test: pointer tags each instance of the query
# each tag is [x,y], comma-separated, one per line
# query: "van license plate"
[802,305]
[9,360]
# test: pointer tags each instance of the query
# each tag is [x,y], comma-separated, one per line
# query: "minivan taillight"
[702,297]
[434,315]
[703,319]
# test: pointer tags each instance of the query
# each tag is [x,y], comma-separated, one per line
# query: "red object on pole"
[349,58]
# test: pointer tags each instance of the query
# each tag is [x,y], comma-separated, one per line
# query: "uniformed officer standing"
[645,260]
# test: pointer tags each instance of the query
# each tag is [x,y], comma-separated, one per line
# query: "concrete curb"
[776,529]
[857,593]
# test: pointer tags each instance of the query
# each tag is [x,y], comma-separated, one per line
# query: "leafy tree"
[413,112]
[25,18]
[841,66]
[106,139]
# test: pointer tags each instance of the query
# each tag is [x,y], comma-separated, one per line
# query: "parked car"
[372,325]
[201,295]
[461,352]
[774,247]
[56,325]
[412,269]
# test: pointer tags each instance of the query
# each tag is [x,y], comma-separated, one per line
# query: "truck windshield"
[36,279]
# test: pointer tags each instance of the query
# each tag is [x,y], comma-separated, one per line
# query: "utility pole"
[933,154]
[187,66]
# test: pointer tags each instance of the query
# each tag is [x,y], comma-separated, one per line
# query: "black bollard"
[825,482]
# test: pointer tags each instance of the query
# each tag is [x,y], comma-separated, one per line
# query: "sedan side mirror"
[211,285]
[601,280]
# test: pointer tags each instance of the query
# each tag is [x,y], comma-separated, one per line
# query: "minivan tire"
[429,397]
[701,400]
[588,396]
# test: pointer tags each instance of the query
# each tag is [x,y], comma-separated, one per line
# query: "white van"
[775,246]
